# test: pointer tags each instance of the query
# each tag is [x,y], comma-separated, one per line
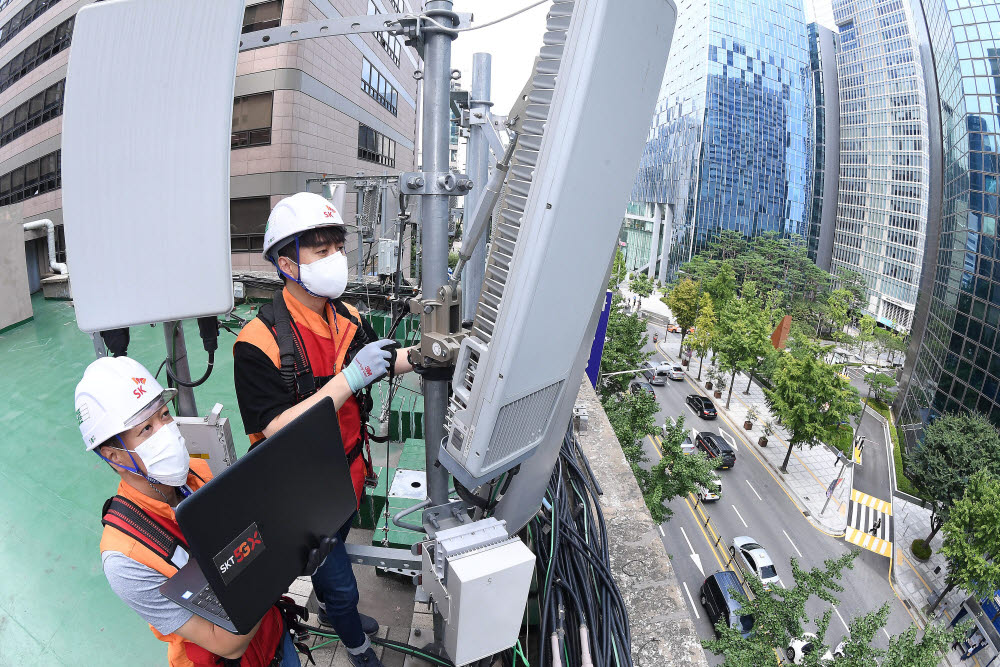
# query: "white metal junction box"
[209,438]
[479,579]
[387,253]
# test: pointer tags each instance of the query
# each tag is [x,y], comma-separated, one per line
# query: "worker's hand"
[318,554]
[370,364]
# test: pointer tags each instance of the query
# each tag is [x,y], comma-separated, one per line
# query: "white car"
[687,447]
[803,646]
[753,560]
[866,370]
[710,495]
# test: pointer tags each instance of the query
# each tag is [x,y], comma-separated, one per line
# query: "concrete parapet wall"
[662,630]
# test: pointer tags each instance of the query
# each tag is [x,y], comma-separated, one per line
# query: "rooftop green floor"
[55,604]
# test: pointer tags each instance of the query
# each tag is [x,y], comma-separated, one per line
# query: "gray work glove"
[371,363]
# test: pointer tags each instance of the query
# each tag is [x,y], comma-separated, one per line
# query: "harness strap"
[164,541]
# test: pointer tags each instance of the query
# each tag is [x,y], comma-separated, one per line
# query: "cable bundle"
[583,618]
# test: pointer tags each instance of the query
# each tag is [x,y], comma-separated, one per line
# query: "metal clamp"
[439,342]
[431,183]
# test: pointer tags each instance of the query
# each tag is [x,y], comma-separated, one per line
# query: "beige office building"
[336,106]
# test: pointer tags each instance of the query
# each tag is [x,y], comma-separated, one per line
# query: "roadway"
[753,503]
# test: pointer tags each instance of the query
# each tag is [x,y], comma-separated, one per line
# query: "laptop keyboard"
[205,599]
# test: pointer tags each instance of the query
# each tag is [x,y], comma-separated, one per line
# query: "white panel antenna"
[581,136]
[145,160]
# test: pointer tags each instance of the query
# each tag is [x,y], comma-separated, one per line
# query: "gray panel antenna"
[584,122]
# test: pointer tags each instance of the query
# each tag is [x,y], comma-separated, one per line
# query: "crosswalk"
[869,523]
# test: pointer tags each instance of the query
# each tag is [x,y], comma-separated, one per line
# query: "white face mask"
[165,456]
[325,277]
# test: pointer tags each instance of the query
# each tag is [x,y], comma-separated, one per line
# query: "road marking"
[691,600]
[886,634]
[793,544]
[705,535]
[684,533]
[730,439]
[754,490]
[841,618]
[740,516]
[661,532]
[782,583]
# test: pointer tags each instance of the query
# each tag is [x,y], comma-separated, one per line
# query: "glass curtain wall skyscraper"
[954,359]
[731,140]
[883,197]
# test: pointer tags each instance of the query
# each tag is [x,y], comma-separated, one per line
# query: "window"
[375,147]
[60,244]
[263,16]
[35,178]
[390,43]
[247,220]
[252,120]
[54,41]
[43,107]
[23,18]
[377,86]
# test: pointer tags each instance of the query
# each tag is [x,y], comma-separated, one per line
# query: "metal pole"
[173,332]
[839,474]
[434,211]
[99,348]
[477,167]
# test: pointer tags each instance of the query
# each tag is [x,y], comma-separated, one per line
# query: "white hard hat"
[115,394]
[296,214]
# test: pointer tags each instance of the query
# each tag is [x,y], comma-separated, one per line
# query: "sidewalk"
[810,470]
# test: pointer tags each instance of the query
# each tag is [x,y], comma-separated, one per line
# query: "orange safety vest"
[179,650]
[325,343]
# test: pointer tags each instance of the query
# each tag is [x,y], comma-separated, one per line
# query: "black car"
[702,406]
[722,597]
[714,446]
[639,387]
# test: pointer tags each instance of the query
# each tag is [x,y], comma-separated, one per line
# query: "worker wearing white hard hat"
[124,417]
[336,354]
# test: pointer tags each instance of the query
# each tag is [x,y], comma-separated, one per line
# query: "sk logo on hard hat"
[329,212]
[140,389]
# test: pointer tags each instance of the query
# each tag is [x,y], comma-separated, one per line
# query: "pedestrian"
[123,417]
[876,525]
[337,355]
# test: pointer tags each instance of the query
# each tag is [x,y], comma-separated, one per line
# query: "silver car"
[753,560]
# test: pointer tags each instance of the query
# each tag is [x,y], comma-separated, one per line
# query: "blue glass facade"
[731,141]
[954,359]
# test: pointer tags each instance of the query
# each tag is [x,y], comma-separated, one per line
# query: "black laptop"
[249,530]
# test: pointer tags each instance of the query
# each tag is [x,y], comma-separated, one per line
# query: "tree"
[972,539]
[840,309]
[632,417]
[779,614]
[866,334]
[618,270]
[955,446]
[855,284]
[897,345]
[704,334]
[722,285]
[623,348]
[744,335]
[641,284]
[683,303]
[808,396]
[676,474]
[905,651]
[879,385]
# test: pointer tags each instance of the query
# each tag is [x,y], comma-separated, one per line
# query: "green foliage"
[618,270]
[452,259]
[676,474]
[920,549]
[972,537]
[722,285]
[626,337]
[905,651]
[780,613]
[840,307]
[955,446]
[744,334]
[879,385]
[683,303]
[641,284]
[703,338]
[809,396]
[855,284]
[632,417]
